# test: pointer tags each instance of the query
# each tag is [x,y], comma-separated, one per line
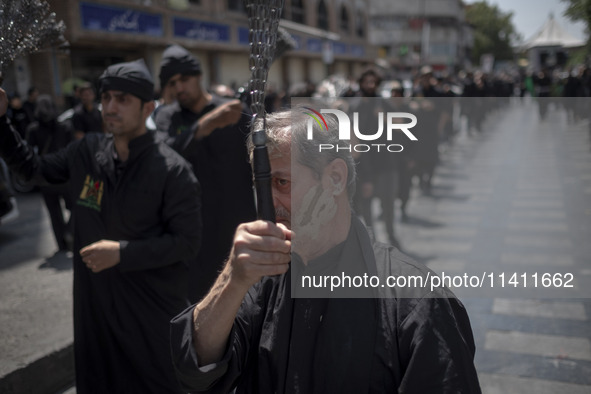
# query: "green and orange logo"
[91,194]
[317,117]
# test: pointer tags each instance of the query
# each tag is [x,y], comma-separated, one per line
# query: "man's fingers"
[286,232]
[260,248]
[263,227]
[256,257]
[90,259]
[254,267]
[263,243]
[234,105]
[88,249]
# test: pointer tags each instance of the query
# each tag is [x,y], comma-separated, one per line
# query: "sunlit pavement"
[515,199]
[35,303]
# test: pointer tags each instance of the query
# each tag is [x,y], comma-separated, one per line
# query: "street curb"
[46,375]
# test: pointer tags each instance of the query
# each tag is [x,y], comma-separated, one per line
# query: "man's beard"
[186,101]
[282,214]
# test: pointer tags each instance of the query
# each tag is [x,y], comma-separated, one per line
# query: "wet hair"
[287,130]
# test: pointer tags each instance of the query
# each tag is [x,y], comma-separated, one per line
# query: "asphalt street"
[514,199]
[35,304]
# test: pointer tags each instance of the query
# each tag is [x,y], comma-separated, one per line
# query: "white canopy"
[552,34]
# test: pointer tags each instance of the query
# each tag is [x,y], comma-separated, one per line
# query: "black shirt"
[220,162]
[122,314]
[87,121]
[414,341]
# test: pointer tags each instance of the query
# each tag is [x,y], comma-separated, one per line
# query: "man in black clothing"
[210,132]
[378,170]
[17,115]
[47,135]
[87,117]
[31,103]
[137,220]
[250,332]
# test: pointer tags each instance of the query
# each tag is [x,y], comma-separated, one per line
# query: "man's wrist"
[204,127]
[236,286]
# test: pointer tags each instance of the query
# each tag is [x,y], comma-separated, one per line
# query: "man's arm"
[23,160]
[259,249]
[224,115]
[227,114]
[180,216]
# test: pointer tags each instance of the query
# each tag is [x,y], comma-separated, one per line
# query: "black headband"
[131,77]
[177,60]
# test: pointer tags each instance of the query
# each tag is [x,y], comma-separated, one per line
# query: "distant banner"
[119,20]
[243,37]
[357,50]
[314,45]
[201,31]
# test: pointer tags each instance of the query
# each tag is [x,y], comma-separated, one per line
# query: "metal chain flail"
[263,21]
[26,26]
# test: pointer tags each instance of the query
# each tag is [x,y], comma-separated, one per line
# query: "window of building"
[235,5]
[344,19]
[297,11]
[322,15]
[360,24]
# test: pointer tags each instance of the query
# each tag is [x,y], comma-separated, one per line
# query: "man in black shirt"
[378,170]
[87,117]
[47,135]
[210,132]
[137,220]
[262,330]
[31,103]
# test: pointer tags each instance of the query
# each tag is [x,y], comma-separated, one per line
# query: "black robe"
[415,341]
[220,162]
[151,205]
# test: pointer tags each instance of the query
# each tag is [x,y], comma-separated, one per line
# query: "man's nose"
[276,202]
[179,87]
[109,107]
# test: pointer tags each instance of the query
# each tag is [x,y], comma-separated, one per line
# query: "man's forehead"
[116,93]
[284,174]
[178,76]
[281,165]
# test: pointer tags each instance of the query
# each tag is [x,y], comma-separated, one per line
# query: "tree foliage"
[494,32]
[580,10]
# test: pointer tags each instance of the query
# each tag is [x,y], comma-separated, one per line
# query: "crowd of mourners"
[163,216]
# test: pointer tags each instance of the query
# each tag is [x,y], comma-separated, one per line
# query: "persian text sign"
[119,20]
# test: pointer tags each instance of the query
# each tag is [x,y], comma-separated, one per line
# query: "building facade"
[331,37]
[411,33]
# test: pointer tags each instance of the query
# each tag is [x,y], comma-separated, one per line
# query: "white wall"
[296,71]
[317,70]
[233,68]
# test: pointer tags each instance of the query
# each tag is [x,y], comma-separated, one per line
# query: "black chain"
[263,21]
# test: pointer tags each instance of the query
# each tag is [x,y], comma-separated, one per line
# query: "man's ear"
[149,107]
[336,173]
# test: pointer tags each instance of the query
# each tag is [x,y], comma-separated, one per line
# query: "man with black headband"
[137,219]
[210,132]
